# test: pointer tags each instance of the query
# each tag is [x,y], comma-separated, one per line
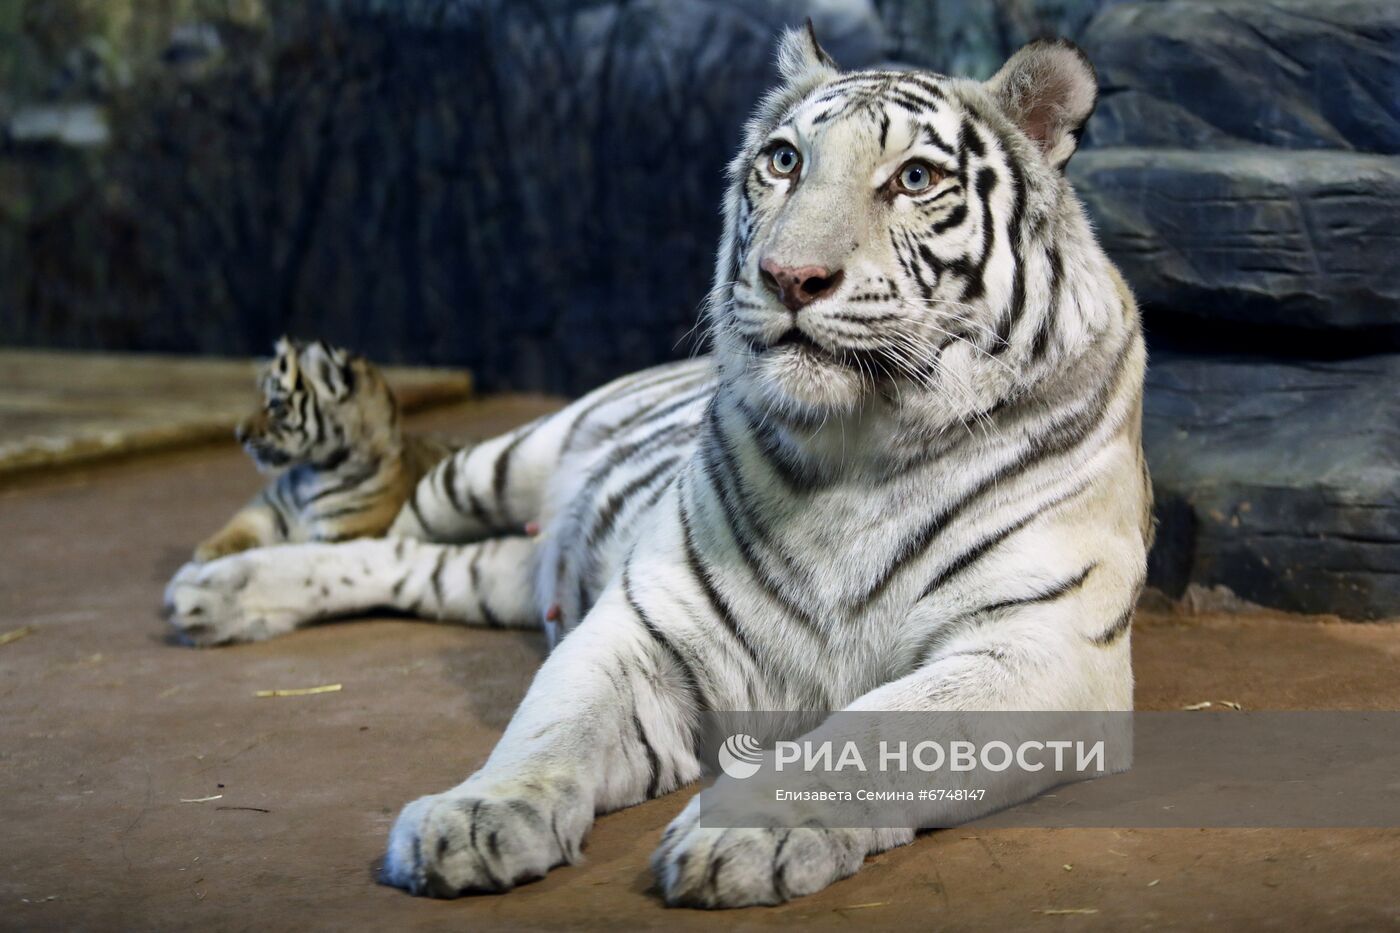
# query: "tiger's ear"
[801,58]
[284,356]
[326,369]
[1048,89]
[349,364]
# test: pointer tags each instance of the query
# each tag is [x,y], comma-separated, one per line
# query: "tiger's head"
[319,405]
[901,237]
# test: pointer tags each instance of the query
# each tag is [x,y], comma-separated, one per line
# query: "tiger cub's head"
[902,236]
[319,405]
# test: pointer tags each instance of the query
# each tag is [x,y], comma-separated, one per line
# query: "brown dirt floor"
[105,728]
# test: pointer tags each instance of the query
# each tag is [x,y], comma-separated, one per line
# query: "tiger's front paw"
[233,599]
[698,866]
[446,845]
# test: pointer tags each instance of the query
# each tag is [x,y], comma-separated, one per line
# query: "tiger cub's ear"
[284,356]
[327,369]
[1048,89]
[801,58]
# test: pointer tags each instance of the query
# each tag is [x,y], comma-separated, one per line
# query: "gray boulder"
[1278,480]
[1271,237]
[1300,74]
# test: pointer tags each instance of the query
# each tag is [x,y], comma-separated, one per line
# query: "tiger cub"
[328,432]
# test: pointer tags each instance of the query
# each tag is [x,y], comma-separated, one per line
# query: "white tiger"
[910,478]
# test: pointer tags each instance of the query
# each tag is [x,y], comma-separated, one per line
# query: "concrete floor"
[106,729]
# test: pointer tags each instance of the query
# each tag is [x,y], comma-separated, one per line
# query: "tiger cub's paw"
[446,845]
[709,867]
[224,544]
[228,600]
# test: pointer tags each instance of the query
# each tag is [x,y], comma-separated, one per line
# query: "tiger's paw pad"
[217,603]
[709,867]
[446,845]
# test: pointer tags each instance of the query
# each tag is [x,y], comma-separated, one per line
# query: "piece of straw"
[17,634]
[301,691]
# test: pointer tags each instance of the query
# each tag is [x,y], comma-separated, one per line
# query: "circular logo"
[740,756]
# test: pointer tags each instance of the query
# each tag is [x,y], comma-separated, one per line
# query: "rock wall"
[1278,238]
[1278,479]
[1242,171]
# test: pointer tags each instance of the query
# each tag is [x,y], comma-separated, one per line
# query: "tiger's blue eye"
[785,160]
[917,176]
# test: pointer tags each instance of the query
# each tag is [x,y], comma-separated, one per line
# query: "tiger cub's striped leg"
[493,488]
[606,724]
[266,592]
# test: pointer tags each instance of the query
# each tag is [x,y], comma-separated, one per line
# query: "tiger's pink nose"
[798,287]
